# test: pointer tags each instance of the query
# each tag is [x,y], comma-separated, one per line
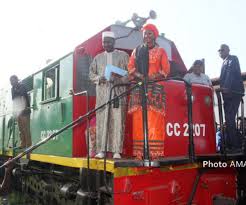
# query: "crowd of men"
[231,85]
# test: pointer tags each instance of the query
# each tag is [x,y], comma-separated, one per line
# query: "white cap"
[108,34]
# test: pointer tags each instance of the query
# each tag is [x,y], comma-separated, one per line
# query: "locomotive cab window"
[50,89]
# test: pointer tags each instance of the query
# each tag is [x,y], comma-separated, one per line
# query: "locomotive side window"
[50,90]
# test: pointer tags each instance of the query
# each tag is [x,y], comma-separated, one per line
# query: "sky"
[33,31]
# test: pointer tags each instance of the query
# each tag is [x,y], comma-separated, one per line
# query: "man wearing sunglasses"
[232,88]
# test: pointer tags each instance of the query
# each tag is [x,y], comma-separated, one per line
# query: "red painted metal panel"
[79,137]
[176,141]
[79,144]
[174,187]
[175,122]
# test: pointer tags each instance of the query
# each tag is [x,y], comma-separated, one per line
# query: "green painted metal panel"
[49,116]
[46,116]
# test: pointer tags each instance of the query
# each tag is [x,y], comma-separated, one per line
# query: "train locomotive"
[171,171]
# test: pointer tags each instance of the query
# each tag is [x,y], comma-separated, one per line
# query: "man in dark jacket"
[232,88]
[21,108]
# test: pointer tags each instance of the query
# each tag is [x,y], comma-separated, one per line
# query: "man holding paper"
[104,65]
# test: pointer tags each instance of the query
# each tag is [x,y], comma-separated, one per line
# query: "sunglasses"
[221,50]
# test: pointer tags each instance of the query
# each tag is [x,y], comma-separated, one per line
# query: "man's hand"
[124,79]
[102,80]
[113,78]
[120,80]
[71,92]
[223,90]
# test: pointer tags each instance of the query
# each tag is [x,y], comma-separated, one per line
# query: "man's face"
[108,44]
[13,81]
[149,38]
[197,69]
[224,51]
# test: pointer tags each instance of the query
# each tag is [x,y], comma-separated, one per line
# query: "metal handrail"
[243,128]
[85,92]
[223,145]
[221,122]
[88,114]
[191,146]
[135,85]
[72,124]
[80,93]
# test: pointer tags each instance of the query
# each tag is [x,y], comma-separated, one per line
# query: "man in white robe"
[116,122]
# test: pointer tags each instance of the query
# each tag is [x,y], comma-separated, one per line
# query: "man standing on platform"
[232,88]
[116,122]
